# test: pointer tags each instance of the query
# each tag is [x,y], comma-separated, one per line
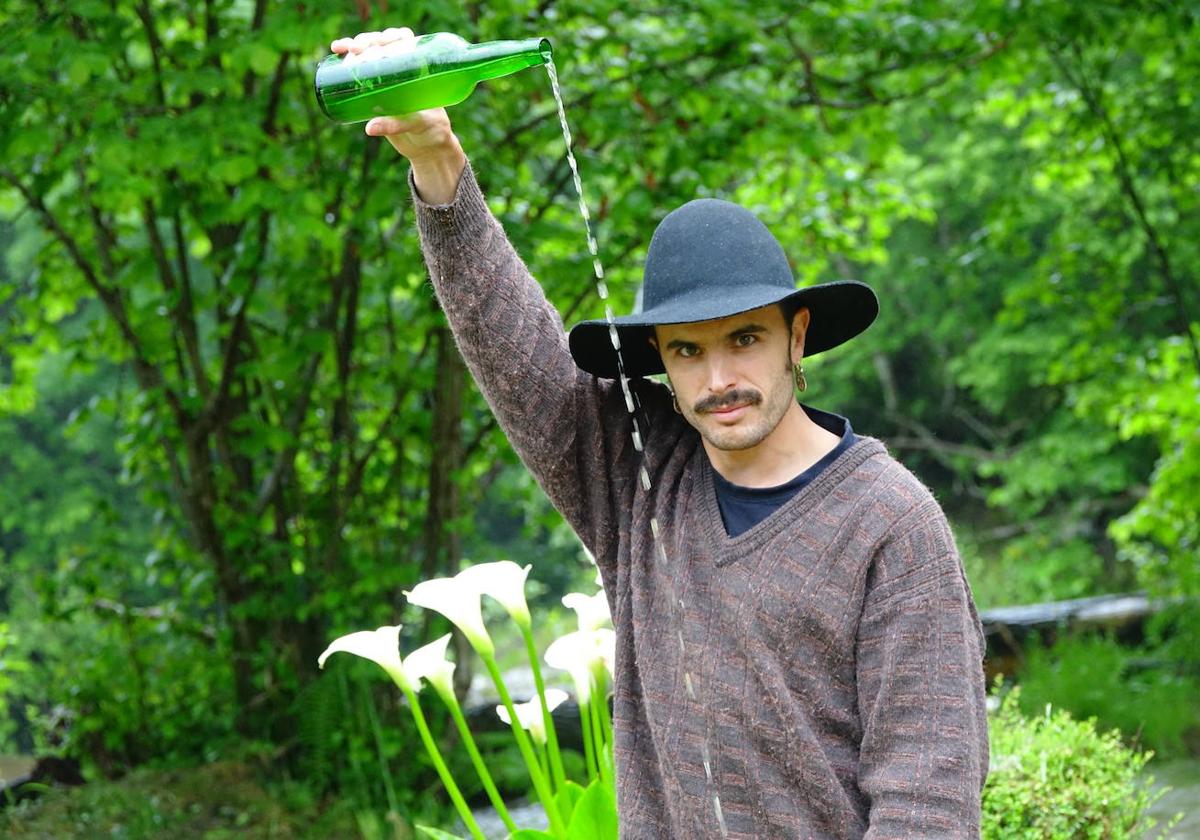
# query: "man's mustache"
[717,402]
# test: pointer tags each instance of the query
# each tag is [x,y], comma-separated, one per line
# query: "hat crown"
[708,246]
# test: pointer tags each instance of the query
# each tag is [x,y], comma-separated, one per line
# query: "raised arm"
[569,428]
[424,137]
[924,753]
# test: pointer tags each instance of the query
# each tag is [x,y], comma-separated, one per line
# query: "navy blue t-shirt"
[744,507]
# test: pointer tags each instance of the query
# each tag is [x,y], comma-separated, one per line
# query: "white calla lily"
[429,663]
[592,610]
[504,581]
[576,653]
[529,714]
[381,646]
[608,651]
[459,602]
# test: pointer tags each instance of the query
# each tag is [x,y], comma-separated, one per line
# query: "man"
[798,653]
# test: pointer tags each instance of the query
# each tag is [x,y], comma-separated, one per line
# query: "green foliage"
[354,736]
[230,415]
[1160,397]
[437,833]
[1053,777]
[1138,691]
[219,801]
[1018,365]
[12,664]
[595,813]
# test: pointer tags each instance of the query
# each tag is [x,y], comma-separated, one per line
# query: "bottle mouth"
[320,93]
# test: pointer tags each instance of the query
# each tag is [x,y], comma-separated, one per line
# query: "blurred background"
[233,424]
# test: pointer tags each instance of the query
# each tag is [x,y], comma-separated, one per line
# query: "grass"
[213,802]
[1093,676]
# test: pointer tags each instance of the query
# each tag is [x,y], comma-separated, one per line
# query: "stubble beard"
[750,432]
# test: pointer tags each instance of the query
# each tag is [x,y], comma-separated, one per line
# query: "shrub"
[1054,777]
[1141,691]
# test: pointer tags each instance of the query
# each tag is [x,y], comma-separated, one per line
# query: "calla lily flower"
[577,653]
[381,646]
[458,602]
[430,664]
[504,581]
[592,610]
[529,715]
[608,651]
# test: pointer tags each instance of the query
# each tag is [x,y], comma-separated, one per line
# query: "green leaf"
[530,834]
[200,246]
[567,797]
[437,833]
[595,815]
[262,59]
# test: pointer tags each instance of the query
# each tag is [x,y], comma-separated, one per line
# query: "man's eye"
[687,351]
[746,340]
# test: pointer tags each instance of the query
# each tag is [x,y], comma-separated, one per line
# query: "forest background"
[233,424]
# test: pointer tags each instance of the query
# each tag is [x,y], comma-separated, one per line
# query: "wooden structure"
[1009,630]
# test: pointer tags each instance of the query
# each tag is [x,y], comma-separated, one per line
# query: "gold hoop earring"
[798,376]
[675,403]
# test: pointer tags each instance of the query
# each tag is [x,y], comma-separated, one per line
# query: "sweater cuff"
[464,219]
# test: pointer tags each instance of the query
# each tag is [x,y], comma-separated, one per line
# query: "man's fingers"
[364,41]
[396,33]
[383,126]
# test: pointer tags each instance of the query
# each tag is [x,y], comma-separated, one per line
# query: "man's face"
[733,376]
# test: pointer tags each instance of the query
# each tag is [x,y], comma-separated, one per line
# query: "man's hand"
[424,137]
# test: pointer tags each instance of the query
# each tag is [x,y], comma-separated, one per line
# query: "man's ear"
[800,324]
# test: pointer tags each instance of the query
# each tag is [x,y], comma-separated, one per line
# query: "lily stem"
[480,767]
[606,720]
[440,765]
[535,773]
[597,734]
[589,754]
[556,767]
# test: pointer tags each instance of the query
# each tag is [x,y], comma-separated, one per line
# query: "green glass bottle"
[437,70]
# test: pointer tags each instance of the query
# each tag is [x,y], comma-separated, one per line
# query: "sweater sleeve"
[924,752]
[563,423]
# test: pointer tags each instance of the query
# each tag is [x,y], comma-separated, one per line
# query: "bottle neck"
[499,58]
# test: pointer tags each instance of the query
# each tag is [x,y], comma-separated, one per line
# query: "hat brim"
[839,311]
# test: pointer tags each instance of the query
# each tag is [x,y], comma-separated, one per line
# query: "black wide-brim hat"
[712,259]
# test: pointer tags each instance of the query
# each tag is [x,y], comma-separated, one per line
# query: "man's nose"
[721,377]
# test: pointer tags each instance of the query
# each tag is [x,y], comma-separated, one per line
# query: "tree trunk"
[442,545]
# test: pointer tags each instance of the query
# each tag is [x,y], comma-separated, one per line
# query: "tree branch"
[105,241]
[328,322]
[256,22]
[926,441]
[165,273]
[217,402]
[273,94]
[187,308]
[284,458]
[1182,315]
[146,17]
[584,98]
[149,375]
[871,98]
[358,465]
[167,614]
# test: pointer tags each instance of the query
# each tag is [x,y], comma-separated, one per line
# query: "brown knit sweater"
[834,648]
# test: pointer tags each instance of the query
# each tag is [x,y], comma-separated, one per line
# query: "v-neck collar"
[727,549]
